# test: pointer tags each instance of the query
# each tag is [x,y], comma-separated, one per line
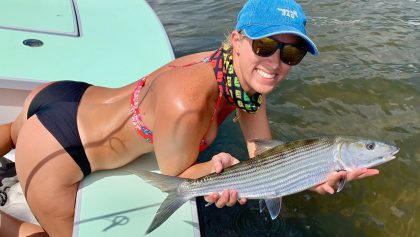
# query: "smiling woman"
[364,82]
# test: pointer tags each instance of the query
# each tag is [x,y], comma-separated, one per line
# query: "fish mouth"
[394,152]
[383,159]
[391,157]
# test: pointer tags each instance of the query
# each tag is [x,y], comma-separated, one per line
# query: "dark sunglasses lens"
[264,47]
[292,55]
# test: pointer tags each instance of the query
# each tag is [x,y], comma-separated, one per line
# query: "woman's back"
[186,85]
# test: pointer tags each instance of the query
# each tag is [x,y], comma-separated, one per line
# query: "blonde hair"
[227,42]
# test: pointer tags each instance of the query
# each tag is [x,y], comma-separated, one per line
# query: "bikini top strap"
[205,60]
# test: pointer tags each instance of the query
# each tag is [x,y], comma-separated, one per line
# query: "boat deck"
[105,43]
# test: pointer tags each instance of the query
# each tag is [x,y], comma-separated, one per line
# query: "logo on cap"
[288,13]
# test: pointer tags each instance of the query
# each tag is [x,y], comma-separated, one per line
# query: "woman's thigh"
[49,177]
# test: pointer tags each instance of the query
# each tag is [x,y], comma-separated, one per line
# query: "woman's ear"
[236,38]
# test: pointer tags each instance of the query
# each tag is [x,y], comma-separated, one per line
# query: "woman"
[69,129]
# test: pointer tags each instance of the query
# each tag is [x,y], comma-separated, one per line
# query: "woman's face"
[256,73]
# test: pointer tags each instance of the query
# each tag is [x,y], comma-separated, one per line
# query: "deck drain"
[33,42]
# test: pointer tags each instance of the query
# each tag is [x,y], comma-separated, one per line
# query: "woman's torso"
[104,117]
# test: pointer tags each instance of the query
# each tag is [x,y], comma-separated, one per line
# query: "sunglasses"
[290,54]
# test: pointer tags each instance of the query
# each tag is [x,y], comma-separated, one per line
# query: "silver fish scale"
[278,172]
[297,173]
[215,182]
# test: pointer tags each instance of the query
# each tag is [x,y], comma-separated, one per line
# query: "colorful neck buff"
[229,83]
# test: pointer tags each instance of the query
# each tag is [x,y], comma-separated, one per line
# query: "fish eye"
[370,146]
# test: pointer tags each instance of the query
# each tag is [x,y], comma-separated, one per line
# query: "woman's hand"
[227,197]
[335,177]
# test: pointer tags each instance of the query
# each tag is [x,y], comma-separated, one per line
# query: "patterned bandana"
[229,83]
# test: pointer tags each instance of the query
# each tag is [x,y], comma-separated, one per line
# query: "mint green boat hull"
[107,43]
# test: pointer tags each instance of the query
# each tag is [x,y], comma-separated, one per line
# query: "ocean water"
[365,82]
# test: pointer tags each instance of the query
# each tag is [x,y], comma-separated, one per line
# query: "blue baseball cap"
[262,18]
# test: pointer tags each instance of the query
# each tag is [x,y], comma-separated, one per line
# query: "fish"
[278,169]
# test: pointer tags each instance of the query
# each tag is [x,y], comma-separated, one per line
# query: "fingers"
[234,161]
[355,173]
[323,189]
[218,166]
[332,181]
[361,173]
[352,175]
[227,159]
[226,198]
[221,161]
[370,172]
[335,177]
[212,198]
[242,201]
[326,188]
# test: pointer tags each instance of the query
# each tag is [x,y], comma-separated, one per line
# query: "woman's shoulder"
[188,80]
[191,70]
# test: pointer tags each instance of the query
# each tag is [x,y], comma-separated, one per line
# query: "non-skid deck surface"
[117,203]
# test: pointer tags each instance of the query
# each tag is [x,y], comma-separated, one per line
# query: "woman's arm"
[177,135]
[254,126]
[176,148]
[182,115]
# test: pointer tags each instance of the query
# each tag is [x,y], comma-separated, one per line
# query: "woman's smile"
[265,74]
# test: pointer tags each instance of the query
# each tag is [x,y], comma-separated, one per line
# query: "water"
[365,82]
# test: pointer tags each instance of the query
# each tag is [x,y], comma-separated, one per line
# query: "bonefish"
[277,170]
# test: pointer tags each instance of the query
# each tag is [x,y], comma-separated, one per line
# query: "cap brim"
[258,32]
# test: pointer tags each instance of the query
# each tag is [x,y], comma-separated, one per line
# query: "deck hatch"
[59,17]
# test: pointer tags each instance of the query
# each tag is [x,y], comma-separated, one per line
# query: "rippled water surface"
[365,82]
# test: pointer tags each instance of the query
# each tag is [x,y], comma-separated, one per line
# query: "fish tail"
[166,209]
[172,202]
[165,183]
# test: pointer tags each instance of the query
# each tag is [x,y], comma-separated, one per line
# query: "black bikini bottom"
[56,108]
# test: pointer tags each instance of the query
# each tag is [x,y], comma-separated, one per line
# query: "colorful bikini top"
[228,85]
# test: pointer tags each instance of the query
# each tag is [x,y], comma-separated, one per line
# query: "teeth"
[264,74]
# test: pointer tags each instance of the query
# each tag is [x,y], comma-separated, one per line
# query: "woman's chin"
[264,89]
[264,85]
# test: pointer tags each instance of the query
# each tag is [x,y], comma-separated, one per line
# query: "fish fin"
[172,202]
[165,183]
[168,207]
[262,205]
[341,184]
[273,206]
[262,145]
